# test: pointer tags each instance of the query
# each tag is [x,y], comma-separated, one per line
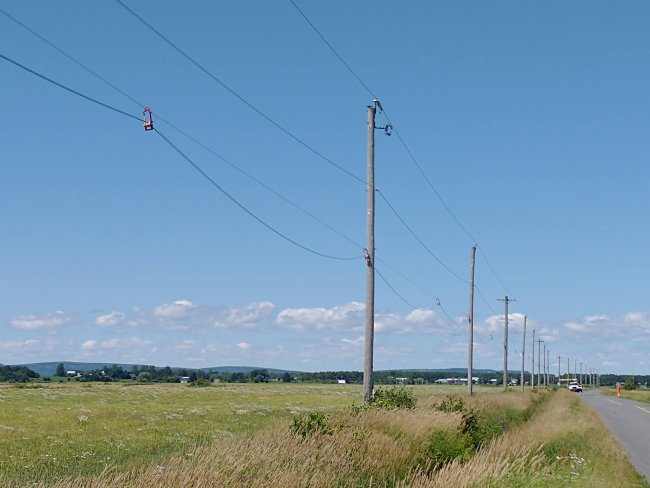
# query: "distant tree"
[60,370]
[144,377]
[287,378]
[16,374]
[259,375]
[629,384]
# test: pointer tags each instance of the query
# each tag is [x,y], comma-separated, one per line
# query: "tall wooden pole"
[532,370]
[544,378]
[370,261]
[523,354]
[470,319]
[505,300]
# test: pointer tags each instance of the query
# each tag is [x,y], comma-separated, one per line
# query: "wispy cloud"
[49,321]
[184,315]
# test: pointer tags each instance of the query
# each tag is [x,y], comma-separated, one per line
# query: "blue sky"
[530,119]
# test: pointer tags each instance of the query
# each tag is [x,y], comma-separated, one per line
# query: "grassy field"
[81,429]
[74,436]
[638,395]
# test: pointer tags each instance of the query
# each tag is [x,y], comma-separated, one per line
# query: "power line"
[340,58]
[245,209]
[401,297]
[395,291]
[406,148]
[241,98]
[494,271]
[210,150]
[72,58]
[399,136]
[205,175]
[184,133]
[300,141]
[420,241]
[71,90]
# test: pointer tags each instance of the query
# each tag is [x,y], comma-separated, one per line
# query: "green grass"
[642,395]
[79,429]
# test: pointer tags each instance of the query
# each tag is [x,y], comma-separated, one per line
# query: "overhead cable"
[71,90]
[417,238]
[245,209]
[401,139]
[241,98]
[205,175]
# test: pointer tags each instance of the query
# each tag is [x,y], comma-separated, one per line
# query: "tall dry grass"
[526,456]
[386,448]
[372,448]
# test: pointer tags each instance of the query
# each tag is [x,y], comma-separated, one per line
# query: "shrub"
[629,384]
[451,403]
[393,398]
[309,424]
[199,384]
[445,446]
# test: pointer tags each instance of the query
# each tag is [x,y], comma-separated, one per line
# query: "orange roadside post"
[618,389]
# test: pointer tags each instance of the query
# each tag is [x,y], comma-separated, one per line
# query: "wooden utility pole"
[568,370]
[539,359]
[558,370]
[548,368]
[532,370]
[523,354]
[544,379]
[470,319]
[370,261]
[580,373]
[505,300]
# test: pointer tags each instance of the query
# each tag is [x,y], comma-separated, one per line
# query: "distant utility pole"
[580,373]
[568,370]
[505,300]
[539,359]
[523,354]
[558,370]
[370,260]
[544,368]
[548,368]
[470,319]
[532,370]
[575,369]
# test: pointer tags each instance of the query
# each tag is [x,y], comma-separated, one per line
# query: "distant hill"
[450,370]
[49,368]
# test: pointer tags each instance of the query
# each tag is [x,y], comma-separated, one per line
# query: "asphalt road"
[629,422]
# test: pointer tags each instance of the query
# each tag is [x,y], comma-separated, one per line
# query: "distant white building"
[185,379]
[341,382]
[72,373]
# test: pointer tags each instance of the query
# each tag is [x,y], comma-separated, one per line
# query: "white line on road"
[617,403]
[642,408]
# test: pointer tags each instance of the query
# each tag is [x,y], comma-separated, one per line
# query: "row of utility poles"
[368,384]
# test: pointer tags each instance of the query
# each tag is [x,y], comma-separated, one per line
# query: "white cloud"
[344,317]
[244,346]
[351,318]
[185,346]
[49,321]
[359,341]
[20,346]
[125,343]
[185,315]
[89,344]
[175,310]
[110,319]
[245,316]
